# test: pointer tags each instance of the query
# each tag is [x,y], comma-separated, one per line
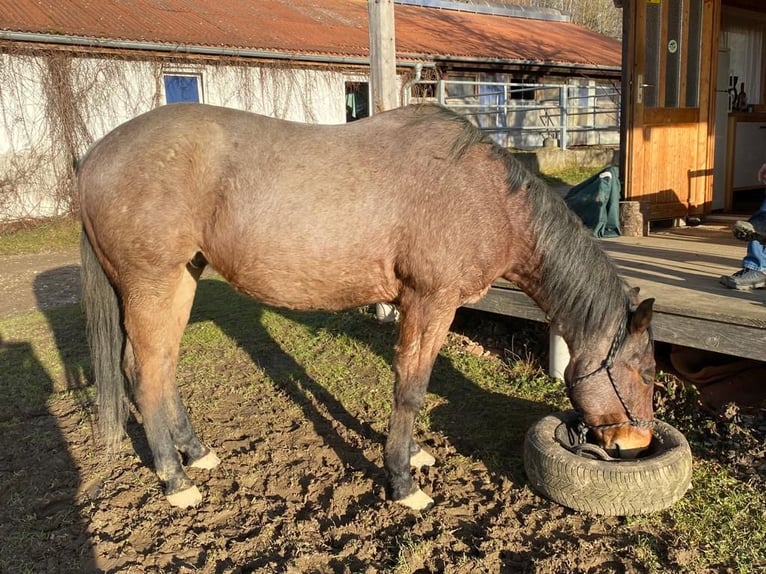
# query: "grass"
[48,236]
[572,175]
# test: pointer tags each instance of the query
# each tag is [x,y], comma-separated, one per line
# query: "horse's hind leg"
[422,331]
[154,322]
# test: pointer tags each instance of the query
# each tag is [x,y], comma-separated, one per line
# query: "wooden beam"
[679,328]
[383,86]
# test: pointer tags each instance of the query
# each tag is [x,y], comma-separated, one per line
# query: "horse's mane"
[577,278]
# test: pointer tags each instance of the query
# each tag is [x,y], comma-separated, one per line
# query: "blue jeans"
[756,256]
[756,253]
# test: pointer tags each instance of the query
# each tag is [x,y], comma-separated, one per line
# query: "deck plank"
[680,268]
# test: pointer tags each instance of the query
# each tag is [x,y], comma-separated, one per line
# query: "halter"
[606,365]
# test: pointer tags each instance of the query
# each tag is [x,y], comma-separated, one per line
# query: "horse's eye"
[648,376]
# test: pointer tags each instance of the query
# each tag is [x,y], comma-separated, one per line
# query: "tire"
[612,488]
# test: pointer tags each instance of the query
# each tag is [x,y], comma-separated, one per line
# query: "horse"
[415,207]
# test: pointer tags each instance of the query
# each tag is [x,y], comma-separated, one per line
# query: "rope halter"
[606,365]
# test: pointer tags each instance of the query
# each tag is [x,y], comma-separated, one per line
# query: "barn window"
[462,86]
[181,88]
[357,100]
[519,91]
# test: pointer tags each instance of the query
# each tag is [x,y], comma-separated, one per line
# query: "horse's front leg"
[422,330]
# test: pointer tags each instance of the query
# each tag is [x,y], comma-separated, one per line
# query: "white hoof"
[422,458]
[418,500]
[186,498]
[208,462]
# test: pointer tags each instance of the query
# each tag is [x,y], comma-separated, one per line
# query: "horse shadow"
[478,423]
[40,484]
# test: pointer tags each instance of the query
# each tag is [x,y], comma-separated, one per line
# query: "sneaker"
[744,280]
[754,229]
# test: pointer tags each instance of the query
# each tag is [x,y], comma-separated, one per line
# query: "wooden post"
[383,87]
[382,56]
[631,219]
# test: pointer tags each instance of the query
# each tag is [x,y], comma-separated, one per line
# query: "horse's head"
[611,385]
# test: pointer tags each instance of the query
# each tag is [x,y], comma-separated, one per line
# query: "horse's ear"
[633,296]
[641,317]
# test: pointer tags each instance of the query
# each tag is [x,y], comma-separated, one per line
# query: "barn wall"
[54,105]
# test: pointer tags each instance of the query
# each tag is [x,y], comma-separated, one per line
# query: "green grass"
[717,526]
[342,361]
[48,236]
[572,175]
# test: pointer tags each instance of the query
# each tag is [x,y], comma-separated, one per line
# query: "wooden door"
[669,138]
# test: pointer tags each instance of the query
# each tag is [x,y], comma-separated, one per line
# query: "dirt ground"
[300,488]
[44,281]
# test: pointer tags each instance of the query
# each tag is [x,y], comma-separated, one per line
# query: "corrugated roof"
[331,27]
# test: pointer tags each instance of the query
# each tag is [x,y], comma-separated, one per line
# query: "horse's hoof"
[422,458]
[186,498]
[208,462]
[418,500]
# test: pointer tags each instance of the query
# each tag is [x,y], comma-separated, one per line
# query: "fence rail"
[527,116]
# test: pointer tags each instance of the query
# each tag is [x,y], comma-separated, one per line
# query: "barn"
[70,71]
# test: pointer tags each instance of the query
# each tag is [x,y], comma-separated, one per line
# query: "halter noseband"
[606,365]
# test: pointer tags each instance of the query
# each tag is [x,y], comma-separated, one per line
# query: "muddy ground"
[300,487]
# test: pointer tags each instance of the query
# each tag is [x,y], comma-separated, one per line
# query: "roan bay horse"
[413,206]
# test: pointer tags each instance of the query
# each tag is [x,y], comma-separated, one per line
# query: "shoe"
[754,229]
[744,280]
[743,230]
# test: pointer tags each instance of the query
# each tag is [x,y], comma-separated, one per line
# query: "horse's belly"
[300,289]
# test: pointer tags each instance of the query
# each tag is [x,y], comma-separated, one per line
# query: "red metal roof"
[329,27]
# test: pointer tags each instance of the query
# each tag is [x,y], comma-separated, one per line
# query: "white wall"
[52,108]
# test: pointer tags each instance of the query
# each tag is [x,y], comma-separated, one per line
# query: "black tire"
[613,488]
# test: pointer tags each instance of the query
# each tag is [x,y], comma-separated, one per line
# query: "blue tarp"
[597,202]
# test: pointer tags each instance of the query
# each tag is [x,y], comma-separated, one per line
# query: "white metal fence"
[527,116]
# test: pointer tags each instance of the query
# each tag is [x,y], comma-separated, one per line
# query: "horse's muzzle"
[626,441]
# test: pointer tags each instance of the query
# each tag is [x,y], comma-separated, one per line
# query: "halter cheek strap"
[606,365]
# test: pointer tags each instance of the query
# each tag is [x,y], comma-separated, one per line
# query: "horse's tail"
[106,340]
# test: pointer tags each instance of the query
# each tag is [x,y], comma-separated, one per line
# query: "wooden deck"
[680,269]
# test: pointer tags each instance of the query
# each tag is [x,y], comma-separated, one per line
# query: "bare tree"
[599,15]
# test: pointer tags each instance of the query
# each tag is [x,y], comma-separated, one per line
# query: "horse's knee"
[409,397]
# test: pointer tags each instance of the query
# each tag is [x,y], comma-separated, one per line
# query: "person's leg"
[755,258]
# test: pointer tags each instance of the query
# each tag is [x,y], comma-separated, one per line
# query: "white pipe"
[558,354]
[406,88]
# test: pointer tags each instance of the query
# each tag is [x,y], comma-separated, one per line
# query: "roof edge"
[194,49]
